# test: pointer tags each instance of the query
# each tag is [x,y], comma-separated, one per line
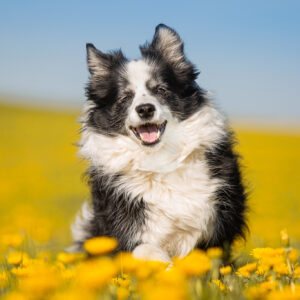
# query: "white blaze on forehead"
[138,72]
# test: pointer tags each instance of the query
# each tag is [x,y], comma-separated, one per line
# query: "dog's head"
[142,98]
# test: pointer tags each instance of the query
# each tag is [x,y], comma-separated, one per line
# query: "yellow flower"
[282,269]
[123,281]
[196,263]
[122,293]
[69,258]
[100,245]
[94,274]
[153,290]
[256,292]
[287,293]
[126,262]
[219,284]
[225,270]
[297,272]
[293,255]
[42,280]
[12,240]
[215,252]
[261,291]
[20,272]
[270,256]
[284,237]
[74,294]
[16,258]
[261,253]
[245,270]
[262,269]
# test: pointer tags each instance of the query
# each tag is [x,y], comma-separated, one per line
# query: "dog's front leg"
[151,252]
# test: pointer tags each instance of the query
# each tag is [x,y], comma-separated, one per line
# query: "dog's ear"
[100,63]
[167,44]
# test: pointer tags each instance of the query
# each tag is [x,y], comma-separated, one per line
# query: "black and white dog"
[164,177]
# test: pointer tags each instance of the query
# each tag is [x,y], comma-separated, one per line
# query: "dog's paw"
[151,252]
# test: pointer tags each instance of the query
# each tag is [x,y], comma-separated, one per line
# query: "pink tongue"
[148,133]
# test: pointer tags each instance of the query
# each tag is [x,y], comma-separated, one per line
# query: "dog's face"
[144,98]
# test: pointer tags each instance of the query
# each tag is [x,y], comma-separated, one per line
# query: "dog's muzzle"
[149,133]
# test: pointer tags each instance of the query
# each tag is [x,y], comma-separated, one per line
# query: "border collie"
[163,174]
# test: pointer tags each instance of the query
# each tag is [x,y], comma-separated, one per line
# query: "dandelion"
[69,258]
[20,272]
[261,253]
[282,269]
[256,292]
[126,262]
[42,280]
[245,270]
[297,272]
[262,270]
[100,245]
[95,274]
[225,270]
[74,294]
[122,293]
[270,256]
[196,263]
[147,268]
[287,293]
[293,255]
[215,252]
[16,258]
[122,281]
[219,284]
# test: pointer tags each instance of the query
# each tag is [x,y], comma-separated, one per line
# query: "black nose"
[145,111]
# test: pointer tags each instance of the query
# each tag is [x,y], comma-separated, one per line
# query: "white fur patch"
[173,179]
[138,74]
[78,230]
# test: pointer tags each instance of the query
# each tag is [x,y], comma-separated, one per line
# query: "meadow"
[41,189]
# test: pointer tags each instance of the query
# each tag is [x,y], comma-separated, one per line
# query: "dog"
[163,173]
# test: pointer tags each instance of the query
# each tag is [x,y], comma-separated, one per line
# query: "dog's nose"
[145,111]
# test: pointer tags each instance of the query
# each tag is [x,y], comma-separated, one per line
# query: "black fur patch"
[231,196]
[114,214]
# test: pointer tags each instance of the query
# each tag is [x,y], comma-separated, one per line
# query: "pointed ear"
[100,63]
[167,42]
[168,45]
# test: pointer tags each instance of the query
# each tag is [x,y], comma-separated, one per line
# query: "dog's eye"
[126,98]
[160,91]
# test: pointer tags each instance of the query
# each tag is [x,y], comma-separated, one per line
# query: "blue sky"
[248,52]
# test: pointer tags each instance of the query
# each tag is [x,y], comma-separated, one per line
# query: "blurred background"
[248,53]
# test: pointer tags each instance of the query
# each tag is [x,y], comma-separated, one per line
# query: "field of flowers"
[41,190]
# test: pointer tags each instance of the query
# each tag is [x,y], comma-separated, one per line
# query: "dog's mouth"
[149,133]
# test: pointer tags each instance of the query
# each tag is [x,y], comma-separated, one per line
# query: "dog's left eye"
[160,91]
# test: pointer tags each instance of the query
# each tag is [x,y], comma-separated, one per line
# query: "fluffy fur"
[177,187]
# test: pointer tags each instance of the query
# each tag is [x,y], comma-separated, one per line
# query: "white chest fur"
[181,205]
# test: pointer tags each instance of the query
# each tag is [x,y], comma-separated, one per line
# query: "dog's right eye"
[126,98]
